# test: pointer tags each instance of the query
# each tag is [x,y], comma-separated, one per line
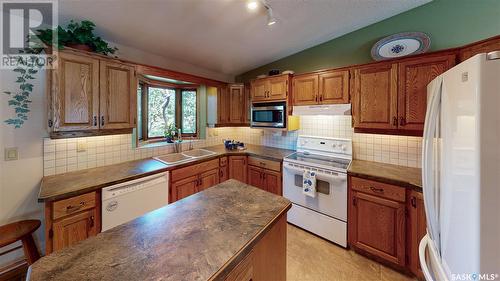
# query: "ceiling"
[222,35]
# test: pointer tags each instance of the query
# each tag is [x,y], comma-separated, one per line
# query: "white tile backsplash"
[61,156]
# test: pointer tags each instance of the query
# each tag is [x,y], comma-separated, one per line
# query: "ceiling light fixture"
[270,17]
[252,5]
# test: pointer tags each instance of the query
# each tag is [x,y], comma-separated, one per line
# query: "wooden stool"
[21,231]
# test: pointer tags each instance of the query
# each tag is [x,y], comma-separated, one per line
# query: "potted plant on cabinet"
[170,131]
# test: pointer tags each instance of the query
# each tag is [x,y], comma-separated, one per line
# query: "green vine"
[20,99]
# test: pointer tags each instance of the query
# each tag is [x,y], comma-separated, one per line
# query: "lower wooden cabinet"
[387,222]
[238,168]
[72,220]
[267,260]
[417,228]
[267,180]
[192,179]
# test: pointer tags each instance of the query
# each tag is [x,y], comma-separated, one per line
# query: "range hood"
[331,109]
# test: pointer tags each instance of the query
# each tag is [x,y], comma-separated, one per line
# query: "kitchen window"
[160,106]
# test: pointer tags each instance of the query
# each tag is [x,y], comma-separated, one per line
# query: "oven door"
[268,116]
[331,190]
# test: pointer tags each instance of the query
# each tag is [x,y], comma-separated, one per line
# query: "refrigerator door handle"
[422,257]
[429,185]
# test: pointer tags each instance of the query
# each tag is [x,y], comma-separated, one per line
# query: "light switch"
[11,154]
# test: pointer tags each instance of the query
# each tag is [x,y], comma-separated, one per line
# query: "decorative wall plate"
[400,45]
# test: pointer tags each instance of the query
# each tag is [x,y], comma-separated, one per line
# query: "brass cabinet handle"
[375,189]
[413,201]
[262,163]
[95,121]
[91,219]
[220,173]
[402,121]
[394,121]
[71,208]
[102,121]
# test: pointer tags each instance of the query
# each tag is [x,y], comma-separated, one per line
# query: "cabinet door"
[334,87]
[414,75]
[278,88]
[486,46]
[272,182]
[208,179]
[375,97]
[305,89]
[243,271]
[223,105]
[238,168]
[417,229]
[223,174]
[378,227]
[259,89]
[255,177]
[74,93]
[184,188]
[72,229]
[118,96]
[237,104]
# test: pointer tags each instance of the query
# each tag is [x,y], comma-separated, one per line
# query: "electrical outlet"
[11,154]
[81,147]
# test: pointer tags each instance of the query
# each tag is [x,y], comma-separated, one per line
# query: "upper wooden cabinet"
[223,105]
[329,87]
[485,46]
[414,76]
[392,97]
[117,96]
[90,93]
[270,88]
[237,104]
[375,93]
[74,93]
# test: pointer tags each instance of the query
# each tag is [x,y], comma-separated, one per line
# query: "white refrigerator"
[461,172]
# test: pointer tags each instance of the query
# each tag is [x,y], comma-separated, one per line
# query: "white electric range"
[326,214]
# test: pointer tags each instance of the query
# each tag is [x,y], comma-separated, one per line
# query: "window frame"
[145,85]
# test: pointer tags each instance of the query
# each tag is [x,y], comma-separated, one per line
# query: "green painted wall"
[449,23]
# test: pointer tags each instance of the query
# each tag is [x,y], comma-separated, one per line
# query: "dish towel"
[309,183]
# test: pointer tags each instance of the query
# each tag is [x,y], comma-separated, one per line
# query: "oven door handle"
[319,174]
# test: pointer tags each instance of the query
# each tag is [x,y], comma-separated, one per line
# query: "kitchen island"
[232,231]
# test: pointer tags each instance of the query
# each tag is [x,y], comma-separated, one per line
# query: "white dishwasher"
[126,201]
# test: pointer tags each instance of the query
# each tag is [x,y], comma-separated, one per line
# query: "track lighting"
[252,5]
[270,18]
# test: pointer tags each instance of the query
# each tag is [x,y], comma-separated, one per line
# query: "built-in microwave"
[268,115]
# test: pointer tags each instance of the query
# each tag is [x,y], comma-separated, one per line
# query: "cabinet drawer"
[243,271]
[384,190]
[74,204]
[195,169]
[223,161]
[264,163]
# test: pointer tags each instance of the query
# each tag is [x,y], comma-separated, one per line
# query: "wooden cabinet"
[267,260]
[391,97]
[232,105]
[71,220]
[416,230]
[328,87]
[305,89]
[118,96]
[73,229]
[223,105]
[414,76]
[192,179]
[74,93]
[265,174]
[237,104]
[484,46]
[270,88]
[90,93]
[223,169]
[375,100]
[238,168]
[377,220]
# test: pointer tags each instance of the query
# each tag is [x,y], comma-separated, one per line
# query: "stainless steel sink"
[173,158]
[198,153]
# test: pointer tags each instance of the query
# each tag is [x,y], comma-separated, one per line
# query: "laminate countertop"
[70,184]
[201,237]
[387,173]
